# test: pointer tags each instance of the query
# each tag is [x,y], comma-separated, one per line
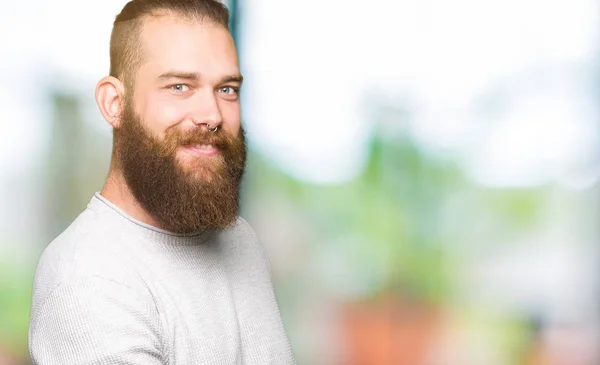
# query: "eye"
[230,93]
[179,88]
[230,90]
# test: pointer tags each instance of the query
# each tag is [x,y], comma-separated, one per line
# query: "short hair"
[126,53]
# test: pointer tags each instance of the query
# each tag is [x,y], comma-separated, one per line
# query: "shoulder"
[244,244]
[82,250]
[96,320]
[242,234]
[242,228]
[83,247]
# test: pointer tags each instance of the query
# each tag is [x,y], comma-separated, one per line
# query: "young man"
[159,269]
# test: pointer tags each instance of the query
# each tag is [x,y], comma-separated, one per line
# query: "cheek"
[231,114]
[162,114]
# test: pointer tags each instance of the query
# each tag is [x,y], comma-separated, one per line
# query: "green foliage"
[390,224]
[520,208]
[15,305]
[389,214]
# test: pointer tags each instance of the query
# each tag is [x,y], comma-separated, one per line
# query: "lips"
[203,149]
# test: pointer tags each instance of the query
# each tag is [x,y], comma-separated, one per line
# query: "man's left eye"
[228,90]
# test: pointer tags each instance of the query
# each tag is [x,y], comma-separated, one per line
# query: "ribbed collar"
[101,205]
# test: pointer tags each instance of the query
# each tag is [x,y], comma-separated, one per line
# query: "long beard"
[202,195]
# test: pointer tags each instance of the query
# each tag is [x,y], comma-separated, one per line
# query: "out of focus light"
[307,81]
[537,142]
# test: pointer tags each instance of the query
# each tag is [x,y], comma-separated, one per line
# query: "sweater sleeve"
[95,321]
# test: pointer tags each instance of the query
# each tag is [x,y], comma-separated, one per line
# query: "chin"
[194,165]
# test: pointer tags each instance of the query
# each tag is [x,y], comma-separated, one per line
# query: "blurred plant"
[402,230]
[402,225]
[77,163]
[385,223]
[15,304]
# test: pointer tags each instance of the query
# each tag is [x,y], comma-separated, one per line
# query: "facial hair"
[182,198]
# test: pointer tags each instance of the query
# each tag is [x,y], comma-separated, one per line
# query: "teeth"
[204,146]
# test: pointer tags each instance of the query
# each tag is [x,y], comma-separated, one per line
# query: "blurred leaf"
[15,305]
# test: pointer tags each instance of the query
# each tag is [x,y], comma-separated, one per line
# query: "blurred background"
[424,174]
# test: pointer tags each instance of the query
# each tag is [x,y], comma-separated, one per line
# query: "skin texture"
[188,82]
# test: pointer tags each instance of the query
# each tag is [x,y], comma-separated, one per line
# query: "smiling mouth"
[203,149]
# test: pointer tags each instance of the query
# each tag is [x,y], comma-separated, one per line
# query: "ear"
[110,97]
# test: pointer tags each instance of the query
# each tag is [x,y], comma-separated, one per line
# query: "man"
[159,269]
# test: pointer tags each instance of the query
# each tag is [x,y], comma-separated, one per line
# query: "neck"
[117,192]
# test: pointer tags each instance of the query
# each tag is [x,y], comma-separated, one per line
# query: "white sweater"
[113,290]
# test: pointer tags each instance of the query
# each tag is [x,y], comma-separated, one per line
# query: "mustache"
[220,138]
[230,144]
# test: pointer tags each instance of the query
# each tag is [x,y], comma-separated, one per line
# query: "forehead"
[171,43]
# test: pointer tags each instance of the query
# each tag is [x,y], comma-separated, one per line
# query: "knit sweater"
[113,290]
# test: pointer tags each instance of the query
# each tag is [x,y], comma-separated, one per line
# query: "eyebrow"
[232,78]
[194,76]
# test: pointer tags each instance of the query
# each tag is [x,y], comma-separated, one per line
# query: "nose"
[206,110]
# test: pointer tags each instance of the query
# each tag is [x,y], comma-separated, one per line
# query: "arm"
[95,321]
